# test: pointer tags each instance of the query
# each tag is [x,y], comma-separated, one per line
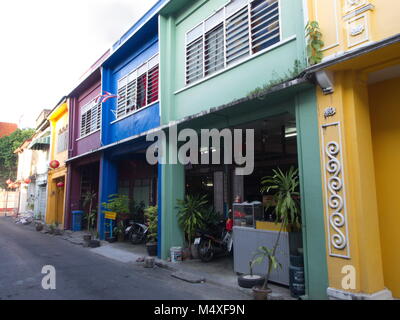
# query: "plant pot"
[39,227]
[249,281]
[121,237]
[151,248]
[57,232]
[194,251]
[260,293]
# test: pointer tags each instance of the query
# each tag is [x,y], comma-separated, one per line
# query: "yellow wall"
[59,120]
[385,116]
[337,21]
[55,195]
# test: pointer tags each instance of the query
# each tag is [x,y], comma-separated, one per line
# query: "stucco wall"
[385,112]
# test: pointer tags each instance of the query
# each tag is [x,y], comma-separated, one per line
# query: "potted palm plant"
[118,203]
[287,210]
[151,215]
[190,217]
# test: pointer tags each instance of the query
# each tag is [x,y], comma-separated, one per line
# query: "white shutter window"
[265,29]
[240,29]
[121,102]
[131,93]
[214,52]
[194,60]
[237,36]
[90,117]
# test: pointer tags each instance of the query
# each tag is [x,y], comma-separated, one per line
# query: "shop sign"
[110,215]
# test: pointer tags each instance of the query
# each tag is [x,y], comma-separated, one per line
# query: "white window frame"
[134,75]
[246,3]
[90,106]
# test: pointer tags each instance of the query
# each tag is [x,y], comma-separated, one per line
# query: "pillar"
[350,202]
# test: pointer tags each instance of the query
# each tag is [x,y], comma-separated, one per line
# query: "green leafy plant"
[314,43]
[287,209]
[151,214]
[118,203]
[190,214]
[264,253]
[119,228]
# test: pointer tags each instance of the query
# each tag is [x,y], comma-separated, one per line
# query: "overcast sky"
[46,45]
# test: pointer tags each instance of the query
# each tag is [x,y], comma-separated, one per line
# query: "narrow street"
[81,274]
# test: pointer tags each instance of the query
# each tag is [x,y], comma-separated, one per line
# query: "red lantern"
[9,181]
[27,181]
[60,184]
[54,164]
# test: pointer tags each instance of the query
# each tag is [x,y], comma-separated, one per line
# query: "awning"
[42,143]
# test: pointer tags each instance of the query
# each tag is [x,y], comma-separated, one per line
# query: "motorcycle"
[136,232]
[217,241]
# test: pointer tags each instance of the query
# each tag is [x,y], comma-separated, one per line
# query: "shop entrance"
[275,147]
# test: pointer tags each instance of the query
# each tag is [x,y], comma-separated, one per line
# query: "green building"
[235,64]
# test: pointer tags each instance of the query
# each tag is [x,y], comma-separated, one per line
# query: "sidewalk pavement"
[218,272]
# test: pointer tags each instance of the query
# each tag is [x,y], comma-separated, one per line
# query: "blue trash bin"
[77,220]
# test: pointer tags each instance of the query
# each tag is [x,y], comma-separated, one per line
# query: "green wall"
[311,195]
[235,83]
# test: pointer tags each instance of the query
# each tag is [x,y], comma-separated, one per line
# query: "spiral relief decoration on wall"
[335,194]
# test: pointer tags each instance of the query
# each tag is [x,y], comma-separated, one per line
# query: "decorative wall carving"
[335,194]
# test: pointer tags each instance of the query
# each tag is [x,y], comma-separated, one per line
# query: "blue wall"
[137,50]
[139,45]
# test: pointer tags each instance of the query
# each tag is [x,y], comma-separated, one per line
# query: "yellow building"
[358,102]
[57,176]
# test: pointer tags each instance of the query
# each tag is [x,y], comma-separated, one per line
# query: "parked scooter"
[136,232]
[218,241]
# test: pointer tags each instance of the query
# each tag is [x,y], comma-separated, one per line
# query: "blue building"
[132,73]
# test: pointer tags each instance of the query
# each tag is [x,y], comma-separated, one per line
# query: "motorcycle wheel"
[206,251]
[136,235]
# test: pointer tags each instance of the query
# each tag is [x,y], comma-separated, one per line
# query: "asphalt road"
[81,274]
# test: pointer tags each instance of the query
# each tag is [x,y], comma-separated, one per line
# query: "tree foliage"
[9,160]
[314,42]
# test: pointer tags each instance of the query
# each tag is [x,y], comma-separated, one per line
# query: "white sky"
[46,45]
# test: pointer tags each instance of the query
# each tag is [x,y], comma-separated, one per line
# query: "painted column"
[350,203]
[172,188]
[315,267]
[107,186]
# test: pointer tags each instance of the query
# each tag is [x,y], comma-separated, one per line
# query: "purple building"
[84,138]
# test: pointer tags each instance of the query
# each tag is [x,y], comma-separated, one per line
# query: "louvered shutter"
[237,36]
[265,29]
[121,102]
[214,49]
[194,60]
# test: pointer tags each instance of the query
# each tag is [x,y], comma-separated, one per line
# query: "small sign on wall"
[110,215]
